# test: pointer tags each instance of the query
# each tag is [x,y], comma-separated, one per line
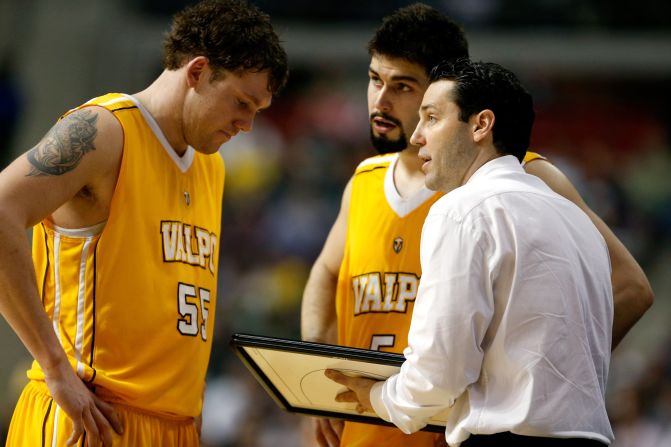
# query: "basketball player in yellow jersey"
[362,286]
[125,195]
[379,275]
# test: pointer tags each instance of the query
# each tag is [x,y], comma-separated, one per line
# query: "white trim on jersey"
[378,159]
[54,436]
[183,162]
[400,205]
[81,301]
[57,284]
[80,232]
[110,102]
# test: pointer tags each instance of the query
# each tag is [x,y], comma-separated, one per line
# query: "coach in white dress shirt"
[511,329]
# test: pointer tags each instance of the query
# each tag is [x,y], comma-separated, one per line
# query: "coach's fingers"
[347,396]
[353,383]
[338,377]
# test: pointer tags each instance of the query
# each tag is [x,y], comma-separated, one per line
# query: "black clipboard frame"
[240,343]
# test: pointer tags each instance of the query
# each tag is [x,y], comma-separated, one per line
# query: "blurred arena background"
[600,73]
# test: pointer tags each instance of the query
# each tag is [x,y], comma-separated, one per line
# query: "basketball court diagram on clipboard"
[292,372]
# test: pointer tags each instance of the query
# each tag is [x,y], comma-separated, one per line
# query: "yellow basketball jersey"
[132,300]
[379,277]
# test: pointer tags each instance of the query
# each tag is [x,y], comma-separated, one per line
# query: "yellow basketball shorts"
[38,421]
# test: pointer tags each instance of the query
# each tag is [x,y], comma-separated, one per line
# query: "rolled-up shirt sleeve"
[452,313]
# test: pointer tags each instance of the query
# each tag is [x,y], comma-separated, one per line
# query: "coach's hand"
[359,389]
[328,431]
[88,413]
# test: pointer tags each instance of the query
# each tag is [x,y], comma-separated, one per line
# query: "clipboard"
[292,373]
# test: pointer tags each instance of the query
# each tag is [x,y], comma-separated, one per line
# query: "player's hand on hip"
[328,432]
[89,414]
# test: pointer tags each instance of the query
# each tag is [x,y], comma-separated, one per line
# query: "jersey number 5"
[382,341]
[189,301]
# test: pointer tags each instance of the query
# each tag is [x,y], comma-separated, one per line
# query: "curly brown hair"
[232,34]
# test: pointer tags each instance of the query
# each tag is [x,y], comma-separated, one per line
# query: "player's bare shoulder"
[75,136]
[81,154]
[63,147]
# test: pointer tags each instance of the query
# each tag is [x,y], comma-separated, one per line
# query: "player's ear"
[195,70]
[483,125]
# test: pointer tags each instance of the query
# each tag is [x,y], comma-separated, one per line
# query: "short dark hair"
[419,34]
[232,34]
[486,85]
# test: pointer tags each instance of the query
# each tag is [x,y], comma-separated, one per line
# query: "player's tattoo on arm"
[61,150]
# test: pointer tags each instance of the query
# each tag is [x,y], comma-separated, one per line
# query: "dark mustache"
[386,117]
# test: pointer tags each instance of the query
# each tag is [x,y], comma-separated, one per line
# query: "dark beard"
[384,145]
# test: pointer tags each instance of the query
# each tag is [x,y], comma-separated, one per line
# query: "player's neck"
[163,108]
[408,175]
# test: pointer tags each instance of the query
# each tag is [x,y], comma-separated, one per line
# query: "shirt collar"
[506,163]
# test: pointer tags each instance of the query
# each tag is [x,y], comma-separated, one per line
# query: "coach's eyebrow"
[425,107]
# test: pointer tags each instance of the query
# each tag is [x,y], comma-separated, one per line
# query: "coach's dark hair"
[419,34]
[232,34]
[485,85]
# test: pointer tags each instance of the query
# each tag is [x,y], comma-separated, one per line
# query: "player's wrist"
[55,366]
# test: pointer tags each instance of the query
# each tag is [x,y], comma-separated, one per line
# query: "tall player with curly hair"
[124,194]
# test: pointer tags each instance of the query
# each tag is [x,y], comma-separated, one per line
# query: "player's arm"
[632,294]
[318,315]
[77,150]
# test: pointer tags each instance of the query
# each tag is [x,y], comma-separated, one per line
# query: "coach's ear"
[483,125]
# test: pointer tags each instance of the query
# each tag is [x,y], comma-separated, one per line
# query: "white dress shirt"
[513,318]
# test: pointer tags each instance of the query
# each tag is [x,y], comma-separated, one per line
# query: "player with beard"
[362,287]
